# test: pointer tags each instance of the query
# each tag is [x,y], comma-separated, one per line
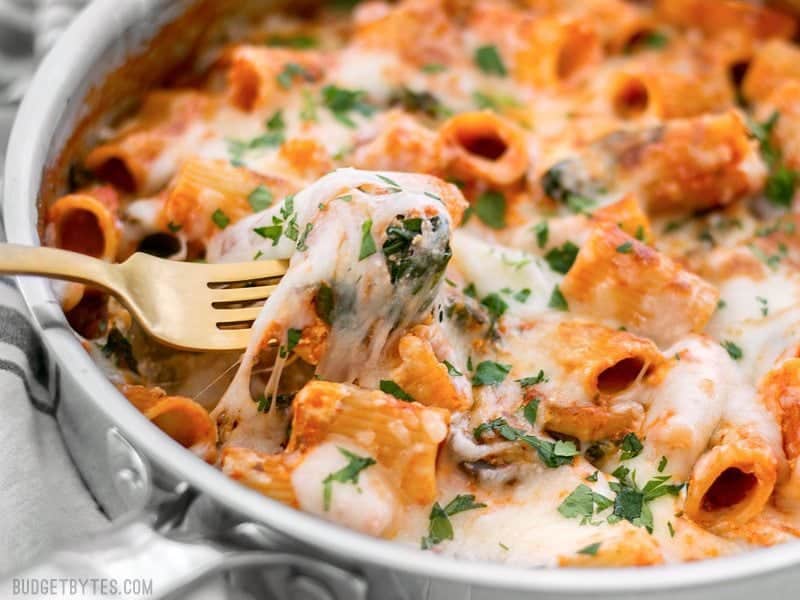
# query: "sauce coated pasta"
[543,297]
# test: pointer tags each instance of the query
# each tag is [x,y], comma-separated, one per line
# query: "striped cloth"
[42,498]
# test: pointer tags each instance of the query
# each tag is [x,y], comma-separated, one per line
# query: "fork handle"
[16,259]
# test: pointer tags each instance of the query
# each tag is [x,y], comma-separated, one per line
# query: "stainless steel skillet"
[179,519]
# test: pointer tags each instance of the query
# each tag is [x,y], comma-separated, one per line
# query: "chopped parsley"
[591,549]
[220,219]
[771,260]
[530,411]
[671,529]
[341,102]
[593,477]
[632,503]
[522,295]
[301,242]
[421,102]
[494,101]
[583,502]
[432,68]
[439,526]
[298,42]
[557,300]
[395,187]
[552,454]
[561,259]
[388,386]
[308,111]
[260,198]
[276,122]
[662,464]
[238,148]
[488,60]
[451,370]
[292,337]
[434,197]
[655,40]
[490,207]
[490,373]
[780,186]
[631,447]
[289,72]
[174,227]
[763,132]
[625,248]
[270,232]
[781,181]
[540,377]
[495,305]
[542,231]
[734,351]
[672,226]
[764,305]
[579,204]
[347,474]
[470,290]
[368,247]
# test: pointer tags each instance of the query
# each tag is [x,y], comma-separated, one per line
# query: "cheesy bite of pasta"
[542,303]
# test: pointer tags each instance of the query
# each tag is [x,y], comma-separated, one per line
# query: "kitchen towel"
[42,499]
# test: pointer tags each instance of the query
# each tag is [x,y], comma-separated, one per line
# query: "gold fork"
[191,306]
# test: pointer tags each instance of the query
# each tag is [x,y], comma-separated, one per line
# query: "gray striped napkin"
[42,498]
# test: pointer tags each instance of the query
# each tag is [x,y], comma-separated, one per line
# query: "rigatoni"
[402,436]
[780,390]
[716,16]
[424,377]
[202,187]
[181,418]
[732,482]
[617,277]
[697,163]
[561,50]
[255,73]
[483,145]
[148,149]
[774,63]
[606,363]
[87,223]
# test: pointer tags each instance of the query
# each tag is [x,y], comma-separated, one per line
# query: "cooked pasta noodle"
[542,287]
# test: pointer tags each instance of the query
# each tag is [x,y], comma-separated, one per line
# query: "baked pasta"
[542,303]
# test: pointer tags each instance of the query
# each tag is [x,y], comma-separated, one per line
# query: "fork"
[190,306]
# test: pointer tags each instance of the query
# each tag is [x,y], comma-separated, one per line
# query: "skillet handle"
[173,544]
[133,560]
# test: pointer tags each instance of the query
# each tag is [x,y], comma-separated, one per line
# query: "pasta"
[542,298]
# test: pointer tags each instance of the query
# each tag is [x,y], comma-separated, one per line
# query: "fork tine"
[236,315]
[229,339]
[238,272]
[242,294]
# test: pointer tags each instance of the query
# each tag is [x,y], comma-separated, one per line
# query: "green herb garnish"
[390,387]
[347,474]
[220,219]
[490,207]
[488,60]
